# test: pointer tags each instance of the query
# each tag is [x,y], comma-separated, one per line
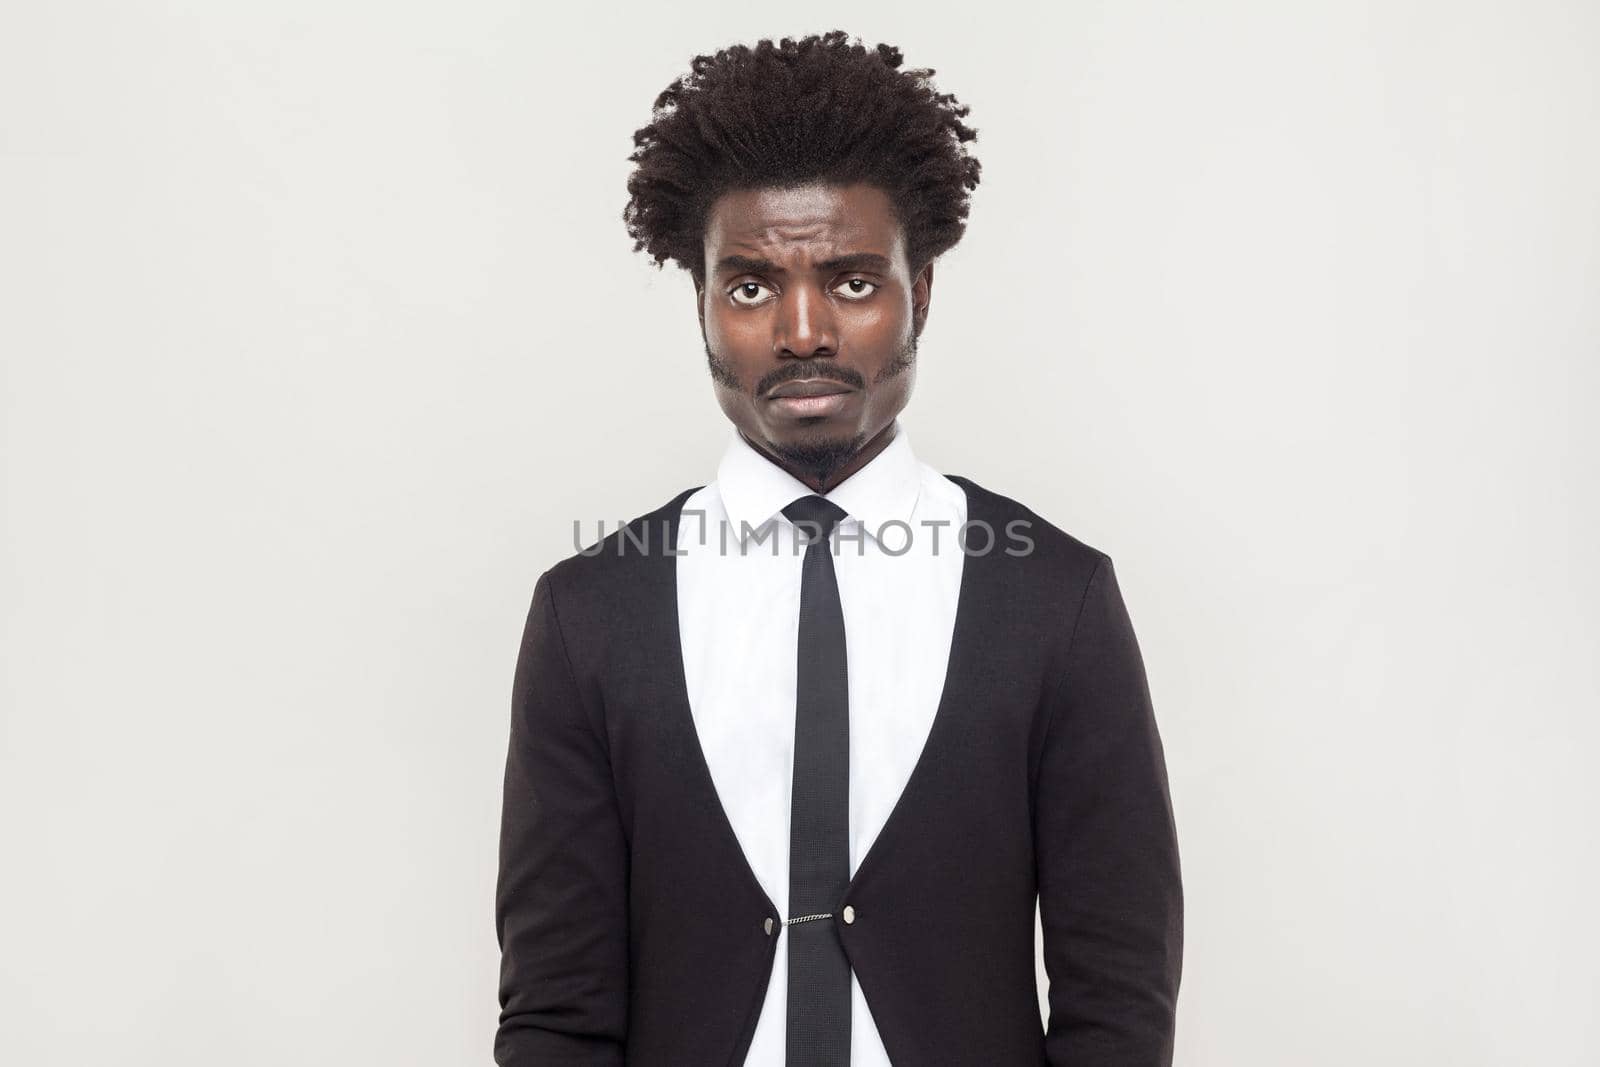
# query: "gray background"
[320,327]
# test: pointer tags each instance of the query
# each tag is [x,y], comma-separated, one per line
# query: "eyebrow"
[737,264]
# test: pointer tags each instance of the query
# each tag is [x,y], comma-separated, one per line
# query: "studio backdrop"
[320,333]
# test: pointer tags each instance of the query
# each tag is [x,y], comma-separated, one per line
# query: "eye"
[747,289]
[850,291]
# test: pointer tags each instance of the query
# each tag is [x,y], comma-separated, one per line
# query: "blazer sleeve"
[561,896]
[1110,892]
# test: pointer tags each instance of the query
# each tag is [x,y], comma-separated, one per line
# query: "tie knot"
[816,515]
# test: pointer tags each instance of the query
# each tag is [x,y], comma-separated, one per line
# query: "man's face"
[810,284]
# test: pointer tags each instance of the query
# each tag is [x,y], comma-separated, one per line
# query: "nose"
[804,325]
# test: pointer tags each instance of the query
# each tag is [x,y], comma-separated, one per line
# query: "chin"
[819,448]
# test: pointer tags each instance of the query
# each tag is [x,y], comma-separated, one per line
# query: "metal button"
[849,914]
[768,925]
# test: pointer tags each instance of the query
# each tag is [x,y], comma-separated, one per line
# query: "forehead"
[814,217]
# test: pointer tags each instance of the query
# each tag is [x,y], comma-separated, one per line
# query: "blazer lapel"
[965,644]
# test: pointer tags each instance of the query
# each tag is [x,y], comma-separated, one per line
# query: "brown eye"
[745,293]
[857,289]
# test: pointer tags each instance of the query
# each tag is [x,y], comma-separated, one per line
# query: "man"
[794,756]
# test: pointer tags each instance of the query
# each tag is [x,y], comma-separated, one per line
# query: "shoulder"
[619,568]
[1043,573]
[1053,551]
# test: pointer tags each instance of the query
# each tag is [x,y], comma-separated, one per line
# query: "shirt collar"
[754,488]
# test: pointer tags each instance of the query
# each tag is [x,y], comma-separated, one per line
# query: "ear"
[699,303]
[921,296]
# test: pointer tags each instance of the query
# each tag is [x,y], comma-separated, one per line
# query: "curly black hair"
[818,109]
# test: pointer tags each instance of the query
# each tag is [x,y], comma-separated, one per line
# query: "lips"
[809,387]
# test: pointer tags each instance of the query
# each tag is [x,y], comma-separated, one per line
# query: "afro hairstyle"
[779,115]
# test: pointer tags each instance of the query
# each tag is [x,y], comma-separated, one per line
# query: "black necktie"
[819,817]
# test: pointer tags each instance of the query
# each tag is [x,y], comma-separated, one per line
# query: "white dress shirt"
[739,617]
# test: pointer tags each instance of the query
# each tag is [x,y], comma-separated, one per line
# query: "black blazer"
[633,931]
